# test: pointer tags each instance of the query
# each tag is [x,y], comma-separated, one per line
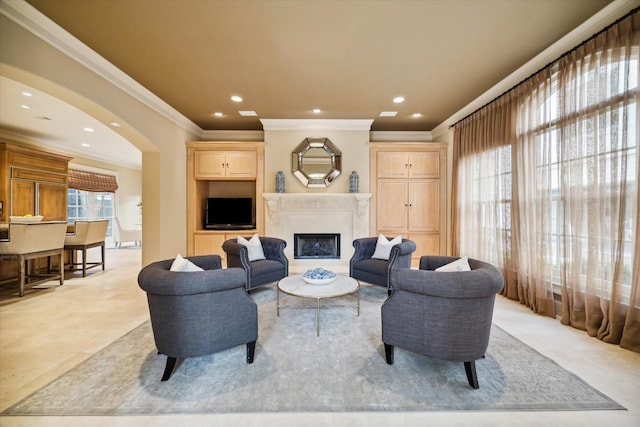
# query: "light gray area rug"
[294,370]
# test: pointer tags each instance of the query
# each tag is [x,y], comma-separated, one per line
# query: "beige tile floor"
[49,331]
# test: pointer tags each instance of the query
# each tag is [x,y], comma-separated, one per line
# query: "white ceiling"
[57,125]
[349,58]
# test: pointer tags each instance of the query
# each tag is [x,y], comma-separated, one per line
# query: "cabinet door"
[210,164]
[23,198]
[424,165]
[392,165]
[241,164]
[209,244]
[52,204]
[391,209]
[424,205]
[426,244]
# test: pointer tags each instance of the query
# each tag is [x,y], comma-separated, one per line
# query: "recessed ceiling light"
[317,110]
[388,114]
[416,115]
[26,107]
[26,94]
[84,144]
[398,99]
[248,113]
[236,98]
[115,124]
[218,114]
[87,129]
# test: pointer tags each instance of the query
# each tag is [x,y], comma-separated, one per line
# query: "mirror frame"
[297,162]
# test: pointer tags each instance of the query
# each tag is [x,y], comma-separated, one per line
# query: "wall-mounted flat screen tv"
[229,213]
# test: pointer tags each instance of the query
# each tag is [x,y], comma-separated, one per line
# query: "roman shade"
[92,181]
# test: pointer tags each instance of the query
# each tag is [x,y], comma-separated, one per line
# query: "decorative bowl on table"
[319,276]
[30,218]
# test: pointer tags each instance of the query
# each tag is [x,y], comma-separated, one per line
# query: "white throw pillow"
[461,264]
[254,247]
[182,264]
[383,247]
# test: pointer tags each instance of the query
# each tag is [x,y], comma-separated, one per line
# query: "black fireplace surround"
[316,246]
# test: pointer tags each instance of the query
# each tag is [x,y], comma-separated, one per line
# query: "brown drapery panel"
[545,186]
[92,181]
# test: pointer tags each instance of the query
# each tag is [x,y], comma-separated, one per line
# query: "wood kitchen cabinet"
[23,200]
[409,194]
[33,182]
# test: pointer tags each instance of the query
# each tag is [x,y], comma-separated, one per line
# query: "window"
[85,205]
[591,172]
[545,181]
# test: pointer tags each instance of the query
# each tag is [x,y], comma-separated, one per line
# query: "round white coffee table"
[296,286]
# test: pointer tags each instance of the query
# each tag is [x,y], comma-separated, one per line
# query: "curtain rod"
[607,28]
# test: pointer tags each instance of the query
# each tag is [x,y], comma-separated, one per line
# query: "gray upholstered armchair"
[377,271]
[446,315]
[259,272]
[200,312]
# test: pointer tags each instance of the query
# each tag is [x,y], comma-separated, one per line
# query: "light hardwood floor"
[49,331]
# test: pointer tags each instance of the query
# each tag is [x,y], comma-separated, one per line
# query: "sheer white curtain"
[545,186]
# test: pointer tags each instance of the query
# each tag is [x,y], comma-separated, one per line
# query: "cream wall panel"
[354,146]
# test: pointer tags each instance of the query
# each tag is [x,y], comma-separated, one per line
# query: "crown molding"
[404,136]
[312,124]
[42,27]
[232,135]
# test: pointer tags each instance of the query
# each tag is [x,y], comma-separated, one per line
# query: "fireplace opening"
[316,246]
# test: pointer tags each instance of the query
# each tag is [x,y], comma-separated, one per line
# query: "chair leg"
[251,350]
[84,262]
[61,267]
[388,352]
[23,272]
[168,369]
[472,377]
[102,250]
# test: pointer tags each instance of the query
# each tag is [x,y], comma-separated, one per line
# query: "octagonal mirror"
[316,162]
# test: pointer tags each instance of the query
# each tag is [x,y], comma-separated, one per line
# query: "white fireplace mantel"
[343,213]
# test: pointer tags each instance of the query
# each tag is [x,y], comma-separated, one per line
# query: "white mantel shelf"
[343,213]
[357,196]
[330,201]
